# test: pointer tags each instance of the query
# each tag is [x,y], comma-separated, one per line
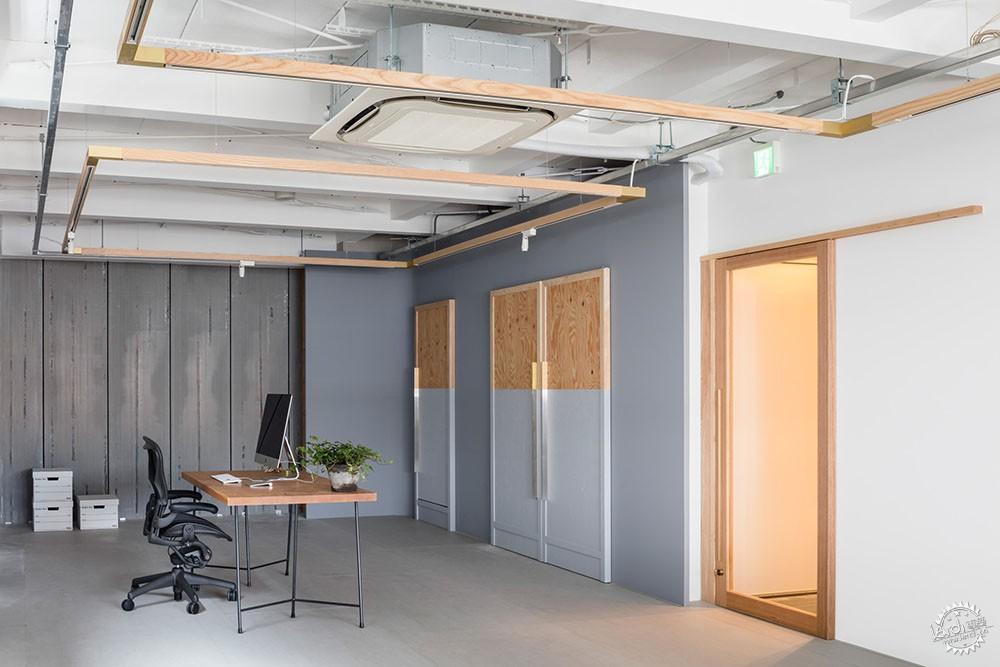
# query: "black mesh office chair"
[170,522]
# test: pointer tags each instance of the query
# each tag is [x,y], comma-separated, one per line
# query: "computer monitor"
[273,428]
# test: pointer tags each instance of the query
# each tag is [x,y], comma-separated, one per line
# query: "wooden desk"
[293,493]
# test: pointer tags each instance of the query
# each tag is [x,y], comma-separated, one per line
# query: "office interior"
[669,328]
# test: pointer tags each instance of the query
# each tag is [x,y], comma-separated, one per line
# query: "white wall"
[918,357]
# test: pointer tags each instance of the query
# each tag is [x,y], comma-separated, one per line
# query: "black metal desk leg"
[357,541]
[295,551]
[288,540]
[239,595]
[246,531]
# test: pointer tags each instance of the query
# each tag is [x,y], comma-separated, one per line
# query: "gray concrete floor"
[432,598]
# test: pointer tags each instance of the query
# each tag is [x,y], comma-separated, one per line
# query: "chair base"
[183,582]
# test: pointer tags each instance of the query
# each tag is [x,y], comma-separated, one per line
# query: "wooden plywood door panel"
[515,458]
[576,354]
[434,341]
[515,341]
[434,413]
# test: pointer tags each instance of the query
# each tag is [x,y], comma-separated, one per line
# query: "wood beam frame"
[236,258]
[95,154]
[131,52]
[909,221]
[514,230]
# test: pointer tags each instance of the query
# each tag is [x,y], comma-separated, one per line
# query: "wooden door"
[515,346]
[576,417]
[770,407]
[434,413]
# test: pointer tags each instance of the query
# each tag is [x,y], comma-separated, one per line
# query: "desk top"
[298,492]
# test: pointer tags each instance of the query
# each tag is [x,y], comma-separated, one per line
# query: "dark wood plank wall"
[138,376]
[75,371]
[200,381]
[20,385]
[95,355]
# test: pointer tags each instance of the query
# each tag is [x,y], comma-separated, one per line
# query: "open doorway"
[769,339]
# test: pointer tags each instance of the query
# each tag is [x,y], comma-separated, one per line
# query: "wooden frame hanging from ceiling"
[606,195]
[132,52]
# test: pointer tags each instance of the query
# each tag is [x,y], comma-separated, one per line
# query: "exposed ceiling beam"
[236,258]
[96,154]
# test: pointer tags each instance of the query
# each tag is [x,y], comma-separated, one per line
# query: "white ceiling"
[679,55]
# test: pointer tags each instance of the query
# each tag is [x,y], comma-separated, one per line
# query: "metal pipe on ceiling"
[948,63]
[58,70]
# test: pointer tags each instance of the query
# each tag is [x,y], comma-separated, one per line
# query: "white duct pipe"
[581,150]
[710,168]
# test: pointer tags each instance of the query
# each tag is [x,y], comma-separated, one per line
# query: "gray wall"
[359,374]
[643,244]
[95,355]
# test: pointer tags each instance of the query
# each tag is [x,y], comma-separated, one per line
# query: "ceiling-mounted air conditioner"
[401,121]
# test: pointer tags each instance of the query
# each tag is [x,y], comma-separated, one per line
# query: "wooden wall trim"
[514,230]
[897,223]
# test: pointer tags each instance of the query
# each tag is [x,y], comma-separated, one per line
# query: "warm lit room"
[496,332]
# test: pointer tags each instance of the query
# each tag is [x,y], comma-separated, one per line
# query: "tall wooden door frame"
[715,425]
[426,510]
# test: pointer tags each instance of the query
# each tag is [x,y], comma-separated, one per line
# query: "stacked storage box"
[52,499]
[97,512]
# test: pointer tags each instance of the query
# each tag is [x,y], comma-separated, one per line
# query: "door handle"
[543,439]
[721,495]
[535,418]
[416,420]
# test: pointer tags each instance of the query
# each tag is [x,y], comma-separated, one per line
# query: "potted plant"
[346,463]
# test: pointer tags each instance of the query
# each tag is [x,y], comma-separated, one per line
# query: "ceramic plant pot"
[341,480]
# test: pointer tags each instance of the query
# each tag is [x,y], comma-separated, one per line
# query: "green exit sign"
[765,160]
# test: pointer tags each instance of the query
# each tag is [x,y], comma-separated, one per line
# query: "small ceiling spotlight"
[525,235]
[244,263]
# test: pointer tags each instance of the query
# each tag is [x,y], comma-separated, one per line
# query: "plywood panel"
[259,353]
[576,345]
[515,336]
[435,345]
[138,376]
[20,386]
[199,369]
[76,373]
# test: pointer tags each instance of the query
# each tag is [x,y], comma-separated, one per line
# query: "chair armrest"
[194,507]
[183,493]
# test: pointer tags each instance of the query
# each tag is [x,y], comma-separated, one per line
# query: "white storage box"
[97,512]
[50,484]
[52,515]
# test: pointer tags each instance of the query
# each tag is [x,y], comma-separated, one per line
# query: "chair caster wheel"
[128,604]
[178,595]
[193,607]
[231,596]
